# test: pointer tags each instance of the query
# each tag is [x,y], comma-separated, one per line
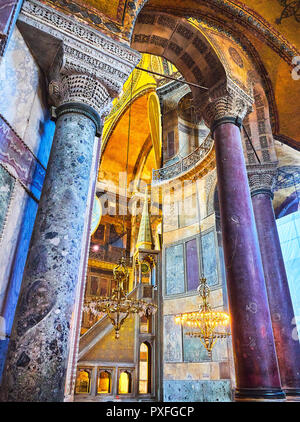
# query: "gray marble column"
[38,352]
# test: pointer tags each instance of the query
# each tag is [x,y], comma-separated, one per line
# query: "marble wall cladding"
[192,264]
[13,262]
[191,303]
[197,391]
[210,258]
[10,237]
[172,340]
[174,279]
[194,371]
[7,183]
[19,81]
[194,351]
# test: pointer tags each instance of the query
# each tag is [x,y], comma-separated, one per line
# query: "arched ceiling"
[131,115]
[114,157]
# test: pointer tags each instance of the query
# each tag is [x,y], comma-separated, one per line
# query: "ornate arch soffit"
[250,51]
[197,56]
[242,15]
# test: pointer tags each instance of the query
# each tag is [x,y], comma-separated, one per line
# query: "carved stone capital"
[262,178]
[82,65]
[224,103]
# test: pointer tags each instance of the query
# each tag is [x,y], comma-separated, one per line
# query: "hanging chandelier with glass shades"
[207,324]
[118,306]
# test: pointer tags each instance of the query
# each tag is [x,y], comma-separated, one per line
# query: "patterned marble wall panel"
[193,349]
[220,351]
[174,269]
[197,391]
[10,237]
[172,340]
[19,80]
[19,161]
[192,264]
[210,258]
[7,183]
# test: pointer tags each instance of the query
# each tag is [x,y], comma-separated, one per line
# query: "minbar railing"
[186,163]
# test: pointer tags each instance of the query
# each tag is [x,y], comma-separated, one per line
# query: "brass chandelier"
[206,324]
[118,306]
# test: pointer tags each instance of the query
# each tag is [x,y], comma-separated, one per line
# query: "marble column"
[256,368]
[81,91]
[261,181]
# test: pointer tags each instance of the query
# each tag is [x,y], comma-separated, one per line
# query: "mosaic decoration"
[288,176]
[7,183]
[174,270]
[291,8]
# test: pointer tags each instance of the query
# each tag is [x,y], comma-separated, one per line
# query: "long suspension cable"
[252,146]
[170,77]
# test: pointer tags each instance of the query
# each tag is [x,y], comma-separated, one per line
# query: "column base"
[292,394]
[259,394]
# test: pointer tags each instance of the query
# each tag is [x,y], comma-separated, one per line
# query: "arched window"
[83,382]
[125,382]
[145,369]
[104,382]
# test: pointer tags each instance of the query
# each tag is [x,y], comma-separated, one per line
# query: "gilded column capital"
[262,178]
[226,102]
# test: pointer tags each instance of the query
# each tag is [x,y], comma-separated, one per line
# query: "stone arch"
[183,45]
